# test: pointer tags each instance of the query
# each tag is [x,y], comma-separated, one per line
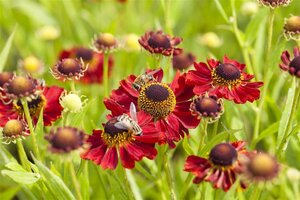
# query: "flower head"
[168,104]
[292,65]
[18,87]
[274,3]
[48,33]
[105,42]
[259,167]
[92,59]
[72,102]
[14,129]
[131,42]
[69,69]
[225,79]
[65,139]
[31,65]
[210,39]
[221,167]
[292,28]
[183,61]
[208,106]
[132,134]
[160,43]
[48,100]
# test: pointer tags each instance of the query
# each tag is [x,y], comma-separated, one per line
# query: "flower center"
[157,99]
[13,128]
[207,106]
[106,39]
[69,66]
[35,106]
[66,138]
[223,154]
[295,63]
[262,165]
[113,135]
[159,41]
[292,24]
[20,86]
[226,75]
[84,53]
[4,77]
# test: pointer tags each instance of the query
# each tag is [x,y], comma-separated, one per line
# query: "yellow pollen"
[118,139]
[219,81]
[161,107]
[34,110]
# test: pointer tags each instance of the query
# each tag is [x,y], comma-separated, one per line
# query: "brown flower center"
[159,41]
[35,106]
[84,53]
[113,135]
[13,128]
[183,61]
[106,40]
[207,106]
[69,66]
[295,63]
[226,75]
[223,154]
[66,138]
[292,24]
[20,85]
[262,165]
[157,99]
[4,77]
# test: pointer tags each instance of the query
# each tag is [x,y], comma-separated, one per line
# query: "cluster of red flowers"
[145,110]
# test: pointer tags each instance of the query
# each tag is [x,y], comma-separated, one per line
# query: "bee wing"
[121,125]
[153,72]
[133,112]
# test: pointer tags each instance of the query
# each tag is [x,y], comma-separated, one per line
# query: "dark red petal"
[182,91]
[52,109]
[183,114]
[115,108]
[7,112]
[126,158]
[110,159]
[234,63]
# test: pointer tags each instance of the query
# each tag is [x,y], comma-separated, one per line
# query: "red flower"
[160,43]
[94,73]
[133,135]
[227,80]
[168,104]
[48,100]
[291,65]
[220,168]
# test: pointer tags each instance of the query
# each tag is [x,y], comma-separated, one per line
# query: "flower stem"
[30,124]
[169,176]
[105,73]
[202,136]
[270,30]
[75,180]
[72,85]
[237,33]
[127,185]
[22,155]
[255,194]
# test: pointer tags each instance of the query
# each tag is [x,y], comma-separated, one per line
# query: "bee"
[129,122]
[143,79]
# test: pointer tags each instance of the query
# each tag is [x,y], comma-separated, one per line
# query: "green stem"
[22,155]
[255,194]
[105,73]
[169,176]
[75,180]
[289,122]
[100,176]
[243,46]
[127,185]
[32,133]
[72,85]
[202,136]
[270,30]
[215,129]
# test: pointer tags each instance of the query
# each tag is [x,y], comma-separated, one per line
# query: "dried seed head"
[274,3]
[223,154]
[105,42]
[4,77]
[292,28]
[69,68]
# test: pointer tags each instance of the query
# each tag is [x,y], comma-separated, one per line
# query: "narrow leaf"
[6,49]
[22,177]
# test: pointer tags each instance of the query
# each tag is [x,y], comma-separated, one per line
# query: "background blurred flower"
[31,65]
[210,40]
[48,33]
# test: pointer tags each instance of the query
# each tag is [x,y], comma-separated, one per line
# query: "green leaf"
[186,146]
[6,49]
[254,26]
[54,183]
[272,129]
[286,113]
[9,193]
[15,167]
[22,177]
[215,140]
[78,117]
